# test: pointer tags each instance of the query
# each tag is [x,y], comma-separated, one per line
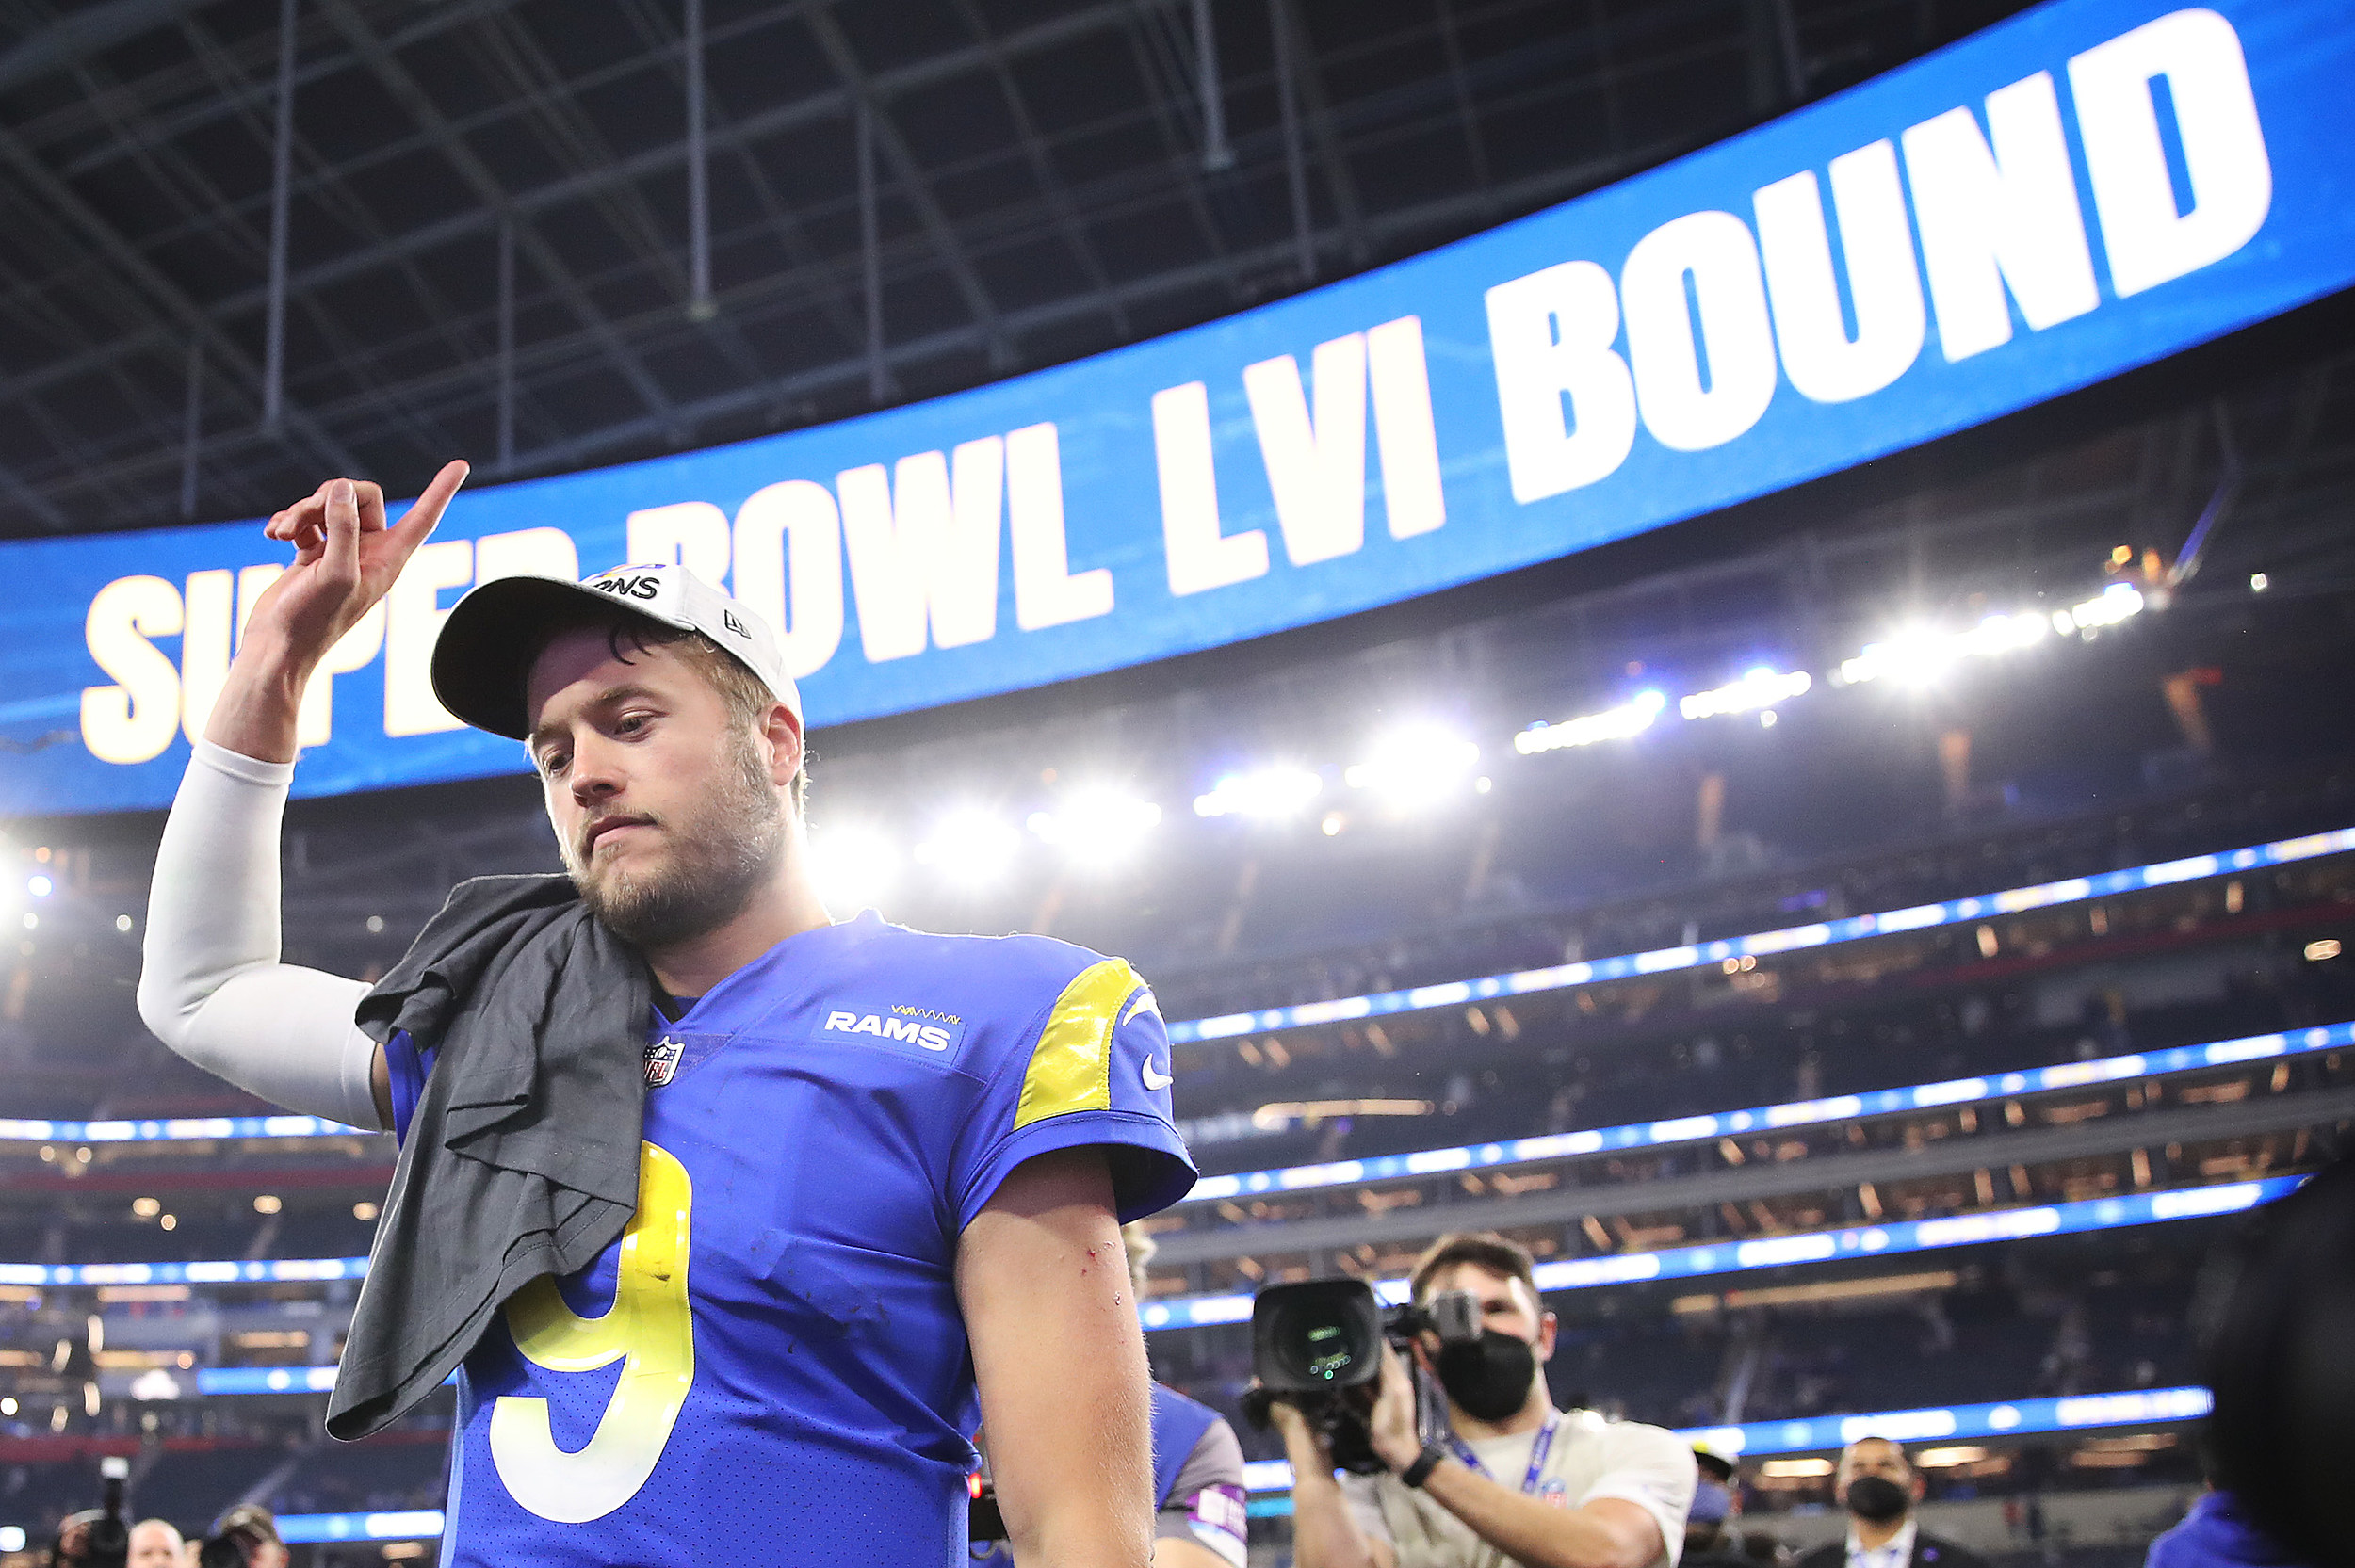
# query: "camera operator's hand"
[73,1540]
[1396,1442]
[1301,1437]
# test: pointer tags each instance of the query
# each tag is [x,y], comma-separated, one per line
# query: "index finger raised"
[425,514]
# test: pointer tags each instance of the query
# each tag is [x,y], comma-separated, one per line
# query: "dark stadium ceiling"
[1045,185]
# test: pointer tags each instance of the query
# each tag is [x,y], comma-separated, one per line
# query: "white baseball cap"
[483,657]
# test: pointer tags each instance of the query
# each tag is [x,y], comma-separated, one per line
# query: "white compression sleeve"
[212,987]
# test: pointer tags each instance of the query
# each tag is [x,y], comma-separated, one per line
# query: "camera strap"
[1537,1452]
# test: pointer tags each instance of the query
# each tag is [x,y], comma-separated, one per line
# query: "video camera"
[1317,1346]
[106,1529]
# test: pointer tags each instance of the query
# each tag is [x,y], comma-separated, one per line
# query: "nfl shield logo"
[662,1061]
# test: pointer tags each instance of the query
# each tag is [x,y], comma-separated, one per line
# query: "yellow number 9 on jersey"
[648,1329]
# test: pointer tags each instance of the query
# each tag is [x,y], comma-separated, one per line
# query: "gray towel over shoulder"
[521,1157]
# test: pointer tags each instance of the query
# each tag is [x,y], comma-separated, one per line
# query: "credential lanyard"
[1537,1451]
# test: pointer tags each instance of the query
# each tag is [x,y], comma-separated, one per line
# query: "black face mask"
[1489,1376]
[1877,1499]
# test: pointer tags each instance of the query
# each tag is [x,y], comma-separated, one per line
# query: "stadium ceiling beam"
[1945,1157]
[79,34]
[1052,191]
[1331,154]
[915,188]
[852,369]
[1452,46]
[739,138]
[195,187]
[411,94]
[156,289]
[190,109]
[1184,150]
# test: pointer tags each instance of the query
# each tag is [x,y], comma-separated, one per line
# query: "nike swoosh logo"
[1155,1082]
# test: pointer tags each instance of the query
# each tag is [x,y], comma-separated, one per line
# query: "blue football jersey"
[770,1366]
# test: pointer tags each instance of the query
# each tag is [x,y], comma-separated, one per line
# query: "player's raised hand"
[346,558]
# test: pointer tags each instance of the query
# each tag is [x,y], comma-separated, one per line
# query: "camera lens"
[1317,1344]
[1316,1337]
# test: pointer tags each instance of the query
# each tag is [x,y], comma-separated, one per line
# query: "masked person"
[732,1219]
[1712,1537]
[1516,1480]
[1880,1486]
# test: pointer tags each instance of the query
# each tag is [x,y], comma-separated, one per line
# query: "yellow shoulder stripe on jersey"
[1071,1066]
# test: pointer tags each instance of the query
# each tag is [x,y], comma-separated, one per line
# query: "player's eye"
[553,763]
[631,723]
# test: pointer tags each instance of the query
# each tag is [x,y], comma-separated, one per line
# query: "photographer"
[1514,1480]
[245,1537]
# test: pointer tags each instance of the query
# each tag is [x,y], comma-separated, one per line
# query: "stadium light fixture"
[1415,766]
[1275,1117]
[1268,794]
[970,848]
[39,885]
[1920,655]
[2259,582]
[1946,1458]
[2114,603]
[856,866]
[1098,828]
[1761,688]
[1631,717]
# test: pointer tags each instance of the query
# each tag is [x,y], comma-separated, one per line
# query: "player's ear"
[783,732]
[1548,1326]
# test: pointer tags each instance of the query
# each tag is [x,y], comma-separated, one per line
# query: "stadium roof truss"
[503,236]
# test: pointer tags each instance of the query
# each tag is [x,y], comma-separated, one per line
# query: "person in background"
[255,1530]
[154,1543]
[1518,1481]
[1879,1487]
[2217,1533]
[1712,1538]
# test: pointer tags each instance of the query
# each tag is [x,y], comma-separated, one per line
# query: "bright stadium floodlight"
[1415,766]
[855,865]
[1098,828]
[1631,717]
[1269,794]
[1919,655]
[2116,603]
[1915,654]
[1762,687]
[970,848]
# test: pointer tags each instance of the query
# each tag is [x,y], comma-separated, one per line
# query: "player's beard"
[720,852]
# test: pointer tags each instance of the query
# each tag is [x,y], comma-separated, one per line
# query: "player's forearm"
[1324,1535]
[258,712]
[1533,1533]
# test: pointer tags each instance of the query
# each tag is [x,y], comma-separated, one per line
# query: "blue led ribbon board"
[2075,192]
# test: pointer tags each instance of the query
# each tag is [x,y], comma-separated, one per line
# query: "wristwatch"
[1426,1461]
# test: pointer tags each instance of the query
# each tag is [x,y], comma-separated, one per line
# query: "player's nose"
[597,772]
